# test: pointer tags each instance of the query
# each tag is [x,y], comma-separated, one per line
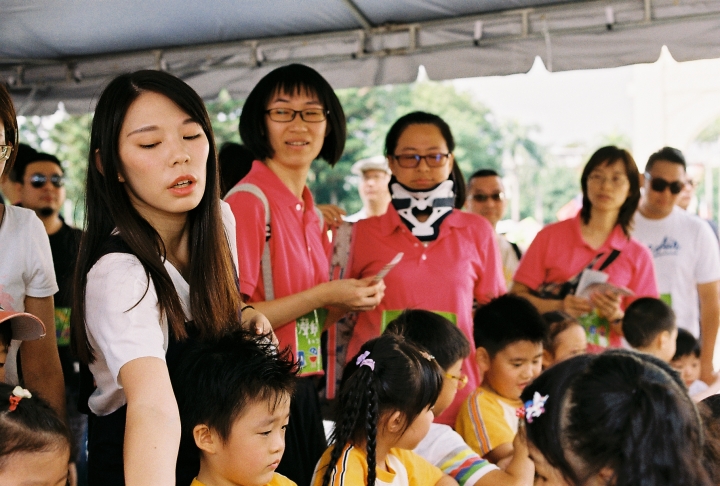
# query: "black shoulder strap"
[611,258]
[516,249]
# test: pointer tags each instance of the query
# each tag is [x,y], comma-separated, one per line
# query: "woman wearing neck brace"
[450,257]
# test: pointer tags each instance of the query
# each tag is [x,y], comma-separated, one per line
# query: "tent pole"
[648,11]
[357,13]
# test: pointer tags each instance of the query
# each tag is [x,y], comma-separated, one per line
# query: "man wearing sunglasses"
[685,252]
[41,188]
[486,197]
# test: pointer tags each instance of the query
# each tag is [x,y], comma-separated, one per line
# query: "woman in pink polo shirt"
[596,244]
[291,118]
[450,257]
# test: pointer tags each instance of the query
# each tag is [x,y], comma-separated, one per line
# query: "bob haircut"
[416,118]
[9,120]
[610,155]
[292,79]
[215,301]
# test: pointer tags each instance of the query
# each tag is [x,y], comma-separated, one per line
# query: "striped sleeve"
[465,466]
[481,423]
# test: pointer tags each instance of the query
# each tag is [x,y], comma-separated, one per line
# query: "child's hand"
[521,467]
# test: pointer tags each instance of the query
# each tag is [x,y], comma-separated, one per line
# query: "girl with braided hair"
[384,410]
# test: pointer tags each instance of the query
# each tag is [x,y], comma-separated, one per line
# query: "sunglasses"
[39,180]
[659,184]
[481,198]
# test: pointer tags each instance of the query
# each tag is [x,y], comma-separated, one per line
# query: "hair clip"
[363,360]
[427,356]
[18,394]
[532,408]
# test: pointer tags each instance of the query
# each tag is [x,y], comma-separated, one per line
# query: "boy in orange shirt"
[509,333]
[235,402]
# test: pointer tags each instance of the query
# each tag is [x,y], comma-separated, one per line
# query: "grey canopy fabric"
[67,50]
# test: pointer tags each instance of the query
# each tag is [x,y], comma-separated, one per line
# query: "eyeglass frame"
[438,163]
[677,185]
[295,113]
[462,380]
[9,148]
[57,180]
[483,198]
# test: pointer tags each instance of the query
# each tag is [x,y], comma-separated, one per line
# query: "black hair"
[505,320]
[292,79]
[9,120]
[416,118]
[543,430]
[431,331]
[644,319]
[215,300]
[710,415]
[222,376]
[235,161]
[404,379]
[556,322]
[610,155]
[483,173]
[667,154]
[32,427]
[686,344]
[26,155]
[23,154]
[458,185]
[632,415]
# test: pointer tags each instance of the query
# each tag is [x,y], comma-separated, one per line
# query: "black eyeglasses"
[410,161]
[481,198]
[659,184]
[5,151]
[39,180]
[286,115]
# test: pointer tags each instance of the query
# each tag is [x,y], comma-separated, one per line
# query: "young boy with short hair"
[235,403]
[442,446]
[687,361]
[649,327]
[508,333]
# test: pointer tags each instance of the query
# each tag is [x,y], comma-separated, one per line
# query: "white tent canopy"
[53,51]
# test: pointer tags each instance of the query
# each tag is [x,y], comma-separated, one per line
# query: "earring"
[120,178]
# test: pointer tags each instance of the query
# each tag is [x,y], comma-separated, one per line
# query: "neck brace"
[438,201]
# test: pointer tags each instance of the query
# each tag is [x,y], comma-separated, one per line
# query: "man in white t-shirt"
[373,188]
[685,252]
[486,197]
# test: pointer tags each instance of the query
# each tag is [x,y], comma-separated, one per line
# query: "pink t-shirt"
[298,249]
[461,264]
[559,252]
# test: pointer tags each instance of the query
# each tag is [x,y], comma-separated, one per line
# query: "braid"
[348,414]
[371,428]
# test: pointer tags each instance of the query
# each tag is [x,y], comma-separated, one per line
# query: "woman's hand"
[356,295]
[576,306]
[331,213]
[257,322]
[608,305]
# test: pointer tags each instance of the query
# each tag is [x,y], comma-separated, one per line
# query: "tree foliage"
[482,141]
